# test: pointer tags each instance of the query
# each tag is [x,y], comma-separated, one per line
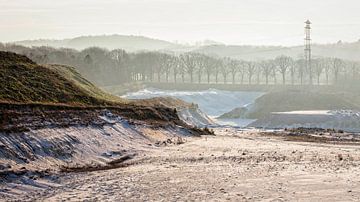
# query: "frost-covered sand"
[234,165]
[347,120]
[212,101]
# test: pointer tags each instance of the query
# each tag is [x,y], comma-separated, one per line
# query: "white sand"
[235,166]
[307,112]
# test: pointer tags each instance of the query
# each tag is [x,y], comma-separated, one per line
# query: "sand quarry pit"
[233,165]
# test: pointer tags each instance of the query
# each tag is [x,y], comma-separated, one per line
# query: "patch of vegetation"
[24,81]
[74,76]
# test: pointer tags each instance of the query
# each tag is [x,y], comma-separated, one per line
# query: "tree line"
[115,67]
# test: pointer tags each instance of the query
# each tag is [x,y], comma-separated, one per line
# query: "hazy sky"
[277,22]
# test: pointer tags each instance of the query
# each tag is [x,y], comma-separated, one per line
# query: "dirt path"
[231,166]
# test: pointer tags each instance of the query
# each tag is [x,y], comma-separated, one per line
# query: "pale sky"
[256,22]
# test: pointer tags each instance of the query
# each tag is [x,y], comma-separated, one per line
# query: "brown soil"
[23,117]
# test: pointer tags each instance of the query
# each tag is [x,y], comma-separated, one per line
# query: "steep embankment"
[87,139]
[188,113]
[52,119]
[23,81]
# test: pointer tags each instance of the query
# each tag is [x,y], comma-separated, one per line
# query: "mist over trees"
[106,68]
[343,50]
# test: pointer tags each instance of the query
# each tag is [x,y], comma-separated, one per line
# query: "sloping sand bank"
[234,165]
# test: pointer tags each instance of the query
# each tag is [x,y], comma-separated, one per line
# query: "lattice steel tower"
[308,49]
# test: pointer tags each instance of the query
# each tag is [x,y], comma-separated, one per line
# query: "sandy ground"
[234,165]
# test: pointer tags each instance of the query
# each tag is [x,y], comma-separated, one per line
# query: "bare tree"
[355,69]
[233,66]
[147,63]
[120,58]
[210,66]
[177,67]
[327,68]
[159,66]
[267,67]
[241,70]
[258,72]
[224,69]
[273,72]
[251,67]
[189,64]
[182,72]
[292,69]
[318,65]
[283,63]
[217,66]
[168,64]
[336,67]
[201,61]
[300,66]
[181,68]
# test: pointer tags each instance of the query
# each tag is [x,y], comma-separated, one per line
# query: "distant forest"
[107,68]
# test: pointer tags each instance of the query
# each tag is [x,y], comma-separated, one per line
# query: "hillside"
[22,80]
[128,43]
[285,101]
[292,101]
[24,83]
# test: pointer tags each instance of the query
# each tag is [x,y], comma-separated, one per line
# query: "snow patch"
[346,120]
[212,101]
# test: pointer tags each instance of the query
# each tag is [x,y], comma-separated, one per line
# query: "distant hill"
[348,51]
[128,43]
[24,81]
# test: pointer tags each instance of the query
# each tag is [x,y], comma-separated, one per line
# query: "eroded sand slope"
[233,165]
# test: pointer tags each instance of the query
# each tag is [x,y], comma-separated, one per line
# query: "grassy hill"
[23,81]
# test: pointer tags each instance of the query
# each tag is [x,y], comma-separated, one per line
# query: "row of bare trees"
[288,70]
[118,66]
